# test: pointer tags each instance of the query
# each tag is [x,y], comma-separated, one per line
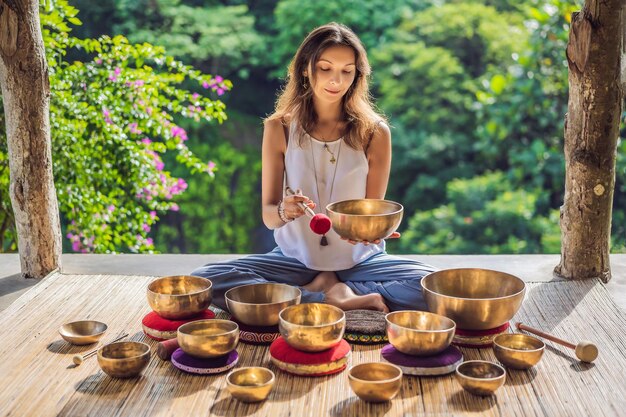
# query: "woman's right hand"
[293,209]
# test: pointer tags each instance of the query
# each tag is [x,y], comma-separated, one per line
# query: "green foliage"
[209,34]
[485,214]
[112,121]
[370,20]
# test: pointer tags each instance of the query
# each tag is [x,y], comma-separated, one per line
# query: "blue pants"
[397,279]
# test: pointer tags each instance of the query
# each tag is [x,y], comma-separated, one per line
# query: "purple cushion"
[194,365]
[440,364]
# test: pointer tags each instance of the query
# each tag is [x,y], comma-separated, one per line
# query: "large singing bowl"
[259,304]
[181,296]
[476,299]
[365,219]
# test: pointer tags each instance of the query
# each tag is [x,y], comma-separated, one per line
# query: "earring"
[305,84]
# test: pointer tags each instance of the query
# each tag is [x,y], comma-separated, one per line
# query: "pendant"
[324,241]
[333,160]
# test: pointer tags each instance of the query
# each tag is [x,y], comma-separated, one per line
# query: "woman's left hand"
[394,235]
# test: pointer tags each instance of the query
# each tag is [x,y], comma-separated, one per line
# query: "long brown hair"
[297,101]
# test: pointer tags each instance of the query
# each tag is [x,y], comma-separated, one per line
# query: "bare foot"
[340,295]
[323,281]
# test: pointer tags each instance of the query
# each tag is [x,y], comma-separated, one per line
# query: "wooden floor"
[39,380]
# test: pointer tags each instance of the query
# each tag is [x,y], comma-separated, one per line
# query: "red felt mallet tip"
[320,224]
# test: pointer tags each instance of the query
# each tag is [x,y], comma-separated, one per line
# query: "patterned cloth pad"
[366,327]
[159,328]
[257,335]
[200,366]
[440,364]
[293,361]
[478,338]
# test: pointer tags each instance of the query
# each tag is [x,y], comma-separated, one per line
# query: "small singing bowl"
[476,299]
[180,296]
[365,219]
[208,338]
[518,351]
[312,327]
[259,304]
[124,359]
[251,384]
[375,381]
[83,332]
[480,377]
[419,333]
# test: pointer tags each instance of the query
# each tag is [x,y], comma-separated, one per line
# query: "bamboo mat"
[37,377]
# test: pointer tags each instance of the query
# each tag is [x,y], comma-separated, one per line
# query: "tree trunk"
[26,98]
[594,54]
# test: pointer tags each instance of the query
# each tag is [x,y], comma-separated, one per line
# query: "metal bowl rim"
[500,346]
[481,379]
[159,294]
[474,299]
[399,210]
[453,328]
[314,326]
[236,329]
[147,352]
[263,304]
[369,381]
[62,333]
[271,381]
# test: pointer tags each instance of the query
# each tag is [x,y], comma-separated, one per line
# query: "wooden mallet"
[320,223]
[78,359]
[585,350]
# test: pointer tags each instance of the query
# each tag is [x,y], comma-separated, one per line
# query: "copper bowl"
[84,332]
[259,304]
[250,384]
[419,333]
[208,338]
[476,299]
[375,381]
[179,296]
[517,350]
[124,359]
[365,219]
[480,377]
[312,327]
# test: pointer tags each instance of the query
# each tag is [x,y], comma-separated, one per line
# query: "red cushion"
[281,351]
[159,328]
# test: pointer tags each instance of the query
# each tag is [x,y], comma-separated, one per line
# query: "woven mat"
[38,379]
[365,322]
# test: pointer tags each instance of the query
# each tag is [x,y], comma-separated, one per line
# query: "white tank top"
[296,239]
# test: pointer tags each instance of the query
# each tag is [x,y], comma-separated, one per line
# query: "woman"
[326,141]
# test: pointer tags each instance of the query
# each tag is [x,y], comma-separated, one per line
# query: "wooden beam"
[26,98]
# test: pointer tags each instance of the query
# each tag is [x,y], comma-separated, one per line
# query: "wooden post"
[26,97]
[596,93]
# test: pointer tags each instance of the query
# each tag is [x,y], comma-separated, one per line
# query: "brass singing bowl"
[476,299]
[517,350]
[419,333]
[375,381]
[312,327]
[259,304]
[124,359]
[365,219]
[84,332]
[250,384]
[480,377]
[179,296]
[208,338]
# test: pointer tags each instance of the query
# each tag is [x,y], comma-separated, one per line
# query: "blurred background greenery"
[476,92]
